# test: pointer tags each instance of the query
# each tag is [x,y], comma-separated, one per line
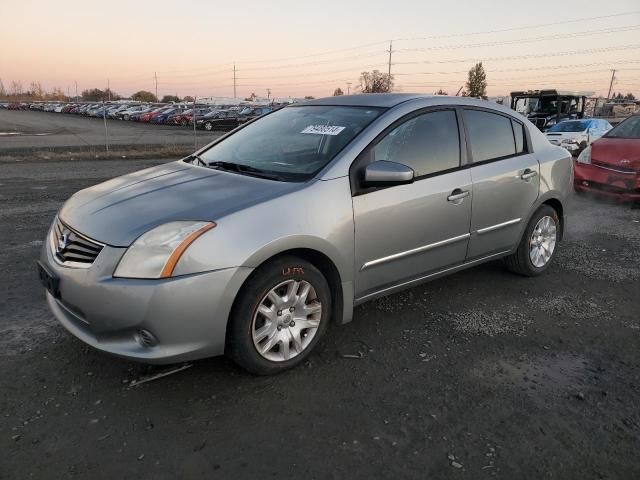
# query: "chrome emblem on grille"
[63,240]
[625,161]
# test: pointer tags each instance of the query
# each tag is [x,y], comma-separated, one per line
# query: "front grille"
[73,248]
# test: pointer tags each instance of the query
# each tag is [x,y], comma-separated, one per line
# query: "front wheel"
[538,244]
[279,316]
[208,126]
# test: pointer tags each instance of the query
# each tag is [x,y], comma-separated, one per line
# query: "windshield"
[544,105]
[293,143]
[630,128]
[569,127]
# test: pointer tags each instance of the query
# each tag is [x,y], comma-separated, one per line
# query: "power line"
[523,57]
[524,40]
[431,37]
[524,27]
[527,69]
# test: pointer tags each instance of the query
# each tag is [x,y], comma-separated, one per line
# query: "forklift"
[545,108]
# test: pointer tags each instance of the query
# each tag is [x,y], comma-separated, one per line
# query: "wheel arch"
[340,288]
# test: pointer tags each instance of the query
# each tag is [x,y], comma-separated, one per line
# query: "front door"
[405,231]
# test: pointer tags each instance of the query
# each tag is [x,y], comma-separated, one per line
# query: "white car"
[576,135]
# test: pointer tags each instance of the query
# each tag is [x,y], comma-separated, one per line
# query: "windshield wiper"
[245,170]
[195,156]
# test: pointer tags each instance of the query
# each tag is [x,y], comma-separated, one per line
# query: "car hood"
[118,211]
[559,136]
[621,152]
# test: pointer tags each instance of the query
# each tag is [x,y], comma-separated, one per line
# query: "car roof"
[382,100]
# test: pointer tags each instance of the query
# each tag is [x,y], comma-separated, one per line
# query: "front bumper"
[187,315]
[606,182]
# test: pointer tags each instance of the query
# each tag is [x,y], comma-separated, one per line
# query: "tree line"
[35,92]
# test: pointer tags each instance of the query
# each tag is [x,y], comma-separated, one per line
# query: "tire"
[208,126]
[126,117]
[250,328]
[525,261]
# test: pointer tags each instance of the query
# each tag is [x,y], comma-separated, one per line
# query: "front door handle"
[458,194]
[528,174]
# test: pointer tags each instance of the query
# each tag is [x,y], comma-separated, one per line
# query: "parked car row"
[206,117]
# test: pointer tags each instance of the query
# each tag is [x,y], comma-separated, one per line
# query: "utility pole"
[613,77]
[76,82]
[348,88]
[234,81]
[155,76]
[109,89]
[268,94]
[389,72]
[193,117]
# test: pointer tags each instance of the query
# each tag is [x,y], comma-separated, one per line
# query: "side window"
[518,134]
[428,143]
[490,135]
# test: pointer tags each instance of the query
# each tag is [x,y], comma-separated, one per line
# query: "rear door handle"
[458,194]
[528,174]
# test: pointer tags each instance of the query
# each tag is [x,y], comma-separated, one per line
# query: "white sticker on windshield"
[323,129]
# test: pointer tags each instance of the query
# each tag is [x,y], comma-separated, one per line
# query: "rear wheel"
[208,126]
[279,316]
[538,244]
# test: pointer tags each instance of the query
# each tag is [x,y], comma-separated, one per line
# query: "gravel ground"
[482,374]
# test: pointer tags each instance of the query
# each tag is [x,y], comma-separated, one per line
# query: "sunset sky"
[299,48]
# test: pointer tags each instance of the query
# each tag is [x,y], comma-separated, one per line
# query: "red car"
[147,117]
[611,165]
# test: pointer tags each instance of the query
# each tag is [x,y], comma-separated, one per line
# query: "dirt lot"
[479,375]
[47,131]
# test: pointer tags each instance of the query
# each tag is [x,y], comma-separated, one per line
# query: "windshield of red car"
[630,128]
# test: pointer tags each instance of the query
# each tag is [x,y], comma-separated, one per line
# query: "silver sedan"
[254,245]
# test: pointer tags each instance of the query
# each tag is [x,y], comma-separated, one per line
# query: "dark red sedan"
[611,165]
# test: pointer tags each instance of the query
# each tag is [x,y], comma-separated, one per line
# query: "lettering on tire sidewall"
[289,271]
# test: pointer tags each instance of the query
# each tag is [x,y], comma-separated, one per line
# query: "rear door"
[405,231]
[506,180]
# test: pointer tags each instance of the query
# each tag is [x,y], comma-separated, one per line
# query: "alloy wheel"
[543,241]
[286,320]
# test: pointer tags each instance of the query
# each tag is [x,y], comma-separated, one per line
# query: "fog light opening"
[585,183]
[145,338]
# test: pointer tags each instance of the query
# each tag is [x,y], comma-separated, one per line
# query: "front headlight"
[156,253]
[585,156]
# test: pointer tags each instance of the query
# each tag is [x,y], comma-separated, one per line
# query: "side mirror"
[383,173]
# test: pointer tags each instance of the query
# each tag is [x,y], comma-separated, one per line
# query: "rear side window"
[518,133]
[428,143]
[490,135]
